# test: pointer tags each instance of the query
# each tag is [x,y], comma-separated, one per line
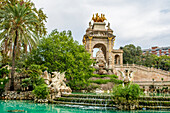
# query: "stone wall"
[14,95]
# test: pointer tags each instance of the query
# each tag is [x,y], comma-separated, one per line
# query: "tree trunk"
[10,48]
[13,62]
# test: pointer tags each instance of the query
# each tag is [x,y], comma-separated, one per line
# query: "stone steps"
[108,101]
[84,104]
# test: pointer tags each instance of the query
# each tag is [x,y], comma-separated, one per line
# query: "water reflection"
[30,107]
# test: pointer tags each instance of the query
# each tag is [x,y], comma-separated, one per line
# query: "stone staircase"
[142,73]
[86,100]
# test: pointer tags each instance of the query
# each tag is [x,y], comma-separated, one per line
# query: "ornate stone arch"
[103,48]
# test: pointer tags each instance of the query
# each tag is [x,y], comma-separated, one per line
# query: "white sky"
[144,23]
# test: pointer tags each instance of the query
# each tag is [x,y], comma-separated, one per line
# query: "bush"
[102,76]
[126,97]
[41,91]
[99,81]
[116,81]
[102,81]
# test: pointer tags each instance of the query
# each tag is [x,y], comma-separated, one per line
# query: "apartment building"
[159,51]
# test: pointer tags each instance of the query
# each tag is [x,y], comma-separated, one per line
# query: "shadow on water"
[31,107]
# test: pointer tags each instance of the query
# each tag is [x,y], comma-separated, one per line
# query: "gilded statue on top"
[99,18]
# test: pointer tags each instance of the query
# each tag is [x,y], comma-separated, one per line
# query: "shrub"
[41,91]
[116,81]
[126,97]
[102,76]
[99,81]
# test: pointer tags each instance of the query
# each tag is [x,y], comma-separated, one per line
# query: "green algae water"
[31,107]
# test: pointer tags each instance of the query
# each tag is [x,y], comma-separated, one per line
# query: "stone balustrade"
[148,69]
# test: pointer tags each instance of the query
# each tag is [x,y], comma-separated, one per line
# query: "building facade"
[159,51]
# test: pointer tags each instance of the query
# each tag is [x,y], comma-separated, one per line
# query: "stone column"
[121,59]
[90,46]
[110,56]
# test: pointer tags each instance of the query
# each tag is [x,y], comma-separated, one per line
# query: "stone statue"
[100,56]
[90,26]
[127,77]
[108,26]
[57,83]
[101,62]
[46,77]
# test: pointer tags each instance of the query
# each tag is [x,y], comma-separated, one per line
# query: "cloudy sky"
[144,23]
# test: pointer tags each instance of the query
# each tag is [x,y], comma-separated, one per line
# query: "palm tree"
[20,23]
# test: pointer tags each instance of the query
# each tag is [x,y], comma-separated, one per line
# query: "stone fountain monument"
[101,62]
[56,84]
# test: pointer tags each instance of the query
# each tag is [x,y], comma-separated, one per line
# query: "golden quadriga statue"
[99,18]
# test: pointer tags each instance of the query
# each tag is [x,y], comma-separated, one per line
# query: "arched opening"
[96,49]
[117,59]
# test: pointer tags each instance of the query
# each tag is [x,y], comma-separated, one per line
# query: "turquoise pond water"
[30,107]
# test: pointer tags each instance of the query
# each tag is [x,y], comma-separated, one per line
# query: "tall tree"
[59,52]
[131,54]
[22,23]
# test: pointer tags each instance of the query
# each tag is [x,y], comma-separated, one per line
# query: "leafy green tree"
[159,62]
[148,59]
[21,24]
[59,52]
[131,54]
[126,97]
[163,62]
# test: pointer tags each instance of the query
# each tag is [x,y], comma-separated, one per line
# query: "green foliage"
[148,59]
[100,81]
[41,91]
[102,76]
[129,92]
[159,62]
[4,71]
[34,72]
[26,82]
[134,55]
[21,25]
[126,96]
[59,52]
[116,81]
[113,78]
[131,54]
[162,62]
[3,82]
